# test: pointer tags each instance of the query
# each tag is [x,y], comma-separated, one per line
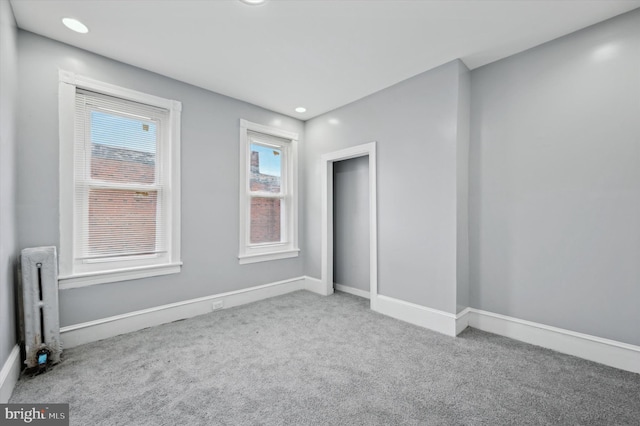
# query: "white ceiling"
[320,54]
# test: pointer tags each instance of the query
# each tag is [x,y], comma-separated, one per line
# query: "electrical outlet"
[218,304]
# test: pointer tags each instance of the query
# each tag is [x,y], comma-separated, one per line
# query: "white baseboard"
[609,352]
[462,320]
[351,290]
[433,319]
[9,374]
[78,334]
[315,285]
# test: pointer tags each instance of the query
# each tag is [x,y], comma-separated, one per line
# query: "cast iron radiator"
[41,324]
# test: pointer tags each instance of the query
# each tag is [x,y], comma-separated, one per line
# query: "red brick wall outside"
[265,220]
[122,221]
[265,212]
[111,170]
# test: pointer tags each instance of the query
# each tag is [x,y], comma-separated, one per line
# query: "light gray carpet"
[304,359]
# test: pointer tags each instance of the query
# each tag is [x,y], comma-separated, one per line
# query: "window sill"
[264,257]
[103,277]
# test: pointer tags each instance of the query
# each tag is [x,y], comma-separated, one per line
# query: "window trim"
[248,253]
[69,82]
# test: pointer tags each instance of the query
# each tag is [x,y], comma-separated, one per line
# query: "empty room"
[310,212]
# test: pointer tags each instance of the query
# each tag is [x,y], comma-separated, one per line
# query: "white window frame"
[288,247]
[78,273]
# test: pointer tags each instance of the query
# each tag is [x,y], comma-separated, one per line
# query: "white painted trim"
[326,230]
[91,331]
[85,82]
[433,319]
[605,351]
[262,257]
[77,274]
[315,285]
[248,253]
[462,320]
[352,290]
[93,278]
[268,130]
[66,113]
[609,352]
[9,374]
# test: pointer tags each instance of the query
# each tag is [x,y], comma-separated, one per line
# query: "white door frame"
[327,160]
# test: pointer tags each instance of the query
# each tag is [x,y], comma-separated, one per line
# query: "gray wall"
[555,182]
[8,143]
[351,223]
[209,181]
[554,179]
[415,125]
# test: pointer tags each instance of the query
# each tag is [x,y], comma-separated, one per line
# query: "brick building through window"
[265,212]
[268,228]
[124,221]
[121,221]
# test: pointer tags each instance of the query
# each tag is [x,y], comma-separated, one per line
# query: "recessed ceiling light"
[253,2]
[75,25]
[301,109]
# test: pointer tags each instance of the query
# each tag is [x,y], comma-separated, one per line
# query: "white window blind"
[120,185]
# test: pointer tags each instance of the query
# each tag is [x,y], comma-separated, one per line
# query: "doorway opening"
[366,150]
[351,226]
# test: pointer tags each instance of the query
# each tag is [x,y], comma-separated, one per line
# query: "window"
[268,193]
[119,183]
